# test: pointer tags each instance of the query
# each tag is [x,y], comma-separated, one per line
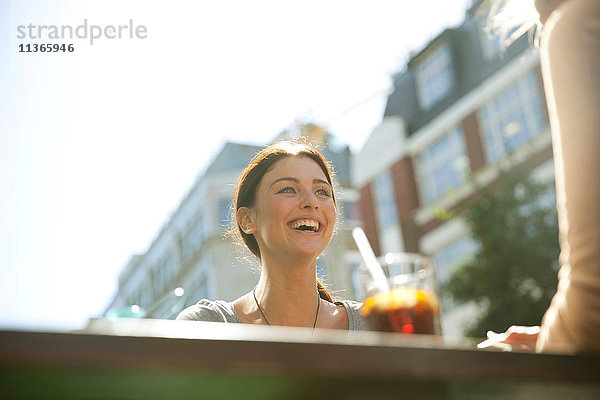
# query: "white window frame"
[446,154]
[386,208]
[500,118]
[434,76]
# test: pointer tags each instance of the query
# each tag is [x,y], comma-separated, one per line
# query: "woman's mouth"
[307,225]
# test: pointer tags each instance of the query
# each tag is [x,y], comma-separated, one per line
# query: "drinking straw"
[368,256]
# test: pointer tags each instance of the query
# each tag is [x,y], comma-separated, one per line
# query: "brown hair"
[263,162]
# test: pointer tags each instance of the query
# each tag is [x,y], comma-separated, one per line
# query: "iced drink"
[403,310]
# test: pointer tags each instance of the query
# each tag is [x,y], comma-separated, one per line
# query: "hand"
[515,338]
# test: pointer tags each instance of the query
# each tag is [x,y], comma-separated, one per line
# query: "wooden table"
[152,359]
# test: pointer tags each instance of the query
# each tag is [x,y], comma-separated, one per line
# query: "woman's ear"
[245,219]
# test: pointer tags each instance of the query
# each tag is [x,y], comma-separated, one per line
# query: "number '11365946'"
[46,48]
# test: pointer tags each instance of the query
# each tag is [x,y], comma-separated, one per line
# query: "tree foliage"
[513,275]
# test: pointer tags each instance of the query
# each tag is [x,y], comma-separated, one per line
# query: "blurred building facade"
[465,105]
[191,250]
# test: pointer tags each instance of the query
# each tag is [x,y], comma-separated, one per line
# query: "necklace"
[265,317]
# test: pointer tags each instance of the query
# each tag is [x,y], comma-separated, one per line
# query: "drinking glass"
[411,305]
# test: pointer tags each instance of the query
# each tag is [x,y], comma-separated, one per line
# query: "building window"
[434,77]
[453,255]
[351,211]
[198,289]
[169,267]
[192,237]
[442,166]
[385,201]
[499,26]
[163,274]
[512,118]
[144,298]
[224,212]
[492,35]
[157,280]
[322,270]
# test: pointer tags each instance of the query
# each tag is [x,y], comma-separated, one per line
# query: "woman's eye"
[323,192]
[287,189]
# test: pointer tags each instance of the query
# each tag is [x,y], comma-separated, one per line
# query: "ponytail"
[323,293]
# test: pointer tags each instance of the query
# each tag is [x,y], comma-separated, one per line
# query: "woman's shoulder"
[355,320]
[352,304]
[210,311]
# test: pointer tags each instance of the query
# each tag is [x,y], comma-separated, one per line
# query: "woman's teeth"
[306,225]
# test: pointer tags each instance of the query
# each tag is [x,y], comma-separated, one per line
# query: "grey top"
[223,311]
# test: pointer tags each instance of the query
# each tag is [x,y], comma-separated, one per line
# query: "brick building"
[465,105]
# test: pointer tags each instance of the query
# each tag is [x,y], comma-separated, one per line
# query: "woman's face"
[293,213]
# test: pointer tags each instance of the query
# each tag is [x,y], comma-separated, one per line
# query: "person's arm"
[570,60]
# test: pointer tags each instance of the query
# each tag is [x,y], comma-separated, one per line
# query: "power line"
[359,104]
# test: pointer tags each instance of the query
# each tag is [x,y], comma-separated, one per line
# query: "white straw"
[373,266]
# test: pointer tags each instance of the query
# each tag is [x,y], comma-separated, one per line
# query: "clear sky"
[98,146]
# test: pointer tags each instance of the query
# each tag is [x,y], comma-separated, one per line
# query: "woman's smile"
[306,224]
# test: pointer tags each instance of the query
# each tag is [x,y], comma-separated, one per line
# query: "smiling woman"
[285,213]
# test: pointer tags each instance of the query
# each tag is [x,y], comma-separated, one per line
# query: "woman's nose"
[309,200]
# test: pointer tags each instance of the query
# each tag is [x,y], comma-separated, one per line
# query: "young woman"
[285,211]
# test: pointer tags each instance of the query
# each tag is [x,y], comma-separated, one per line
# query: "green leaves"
[514,274]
